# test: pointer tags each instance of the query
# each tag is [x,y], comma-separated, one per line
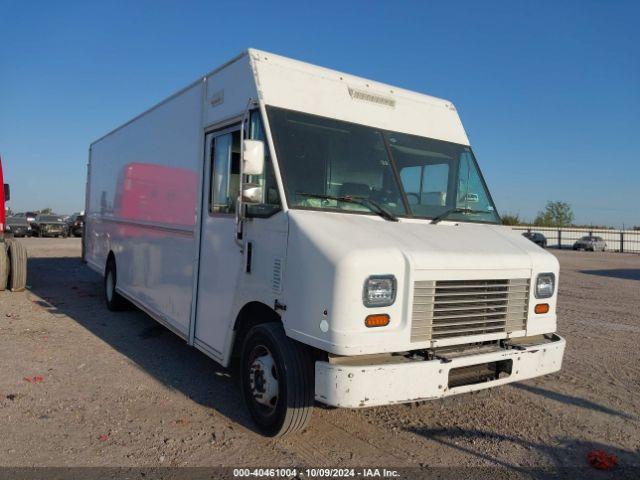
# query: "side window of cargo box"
[225,173]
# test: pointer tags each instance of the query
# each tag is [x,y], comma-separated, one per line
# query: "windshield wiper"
[446,213]
[364,201]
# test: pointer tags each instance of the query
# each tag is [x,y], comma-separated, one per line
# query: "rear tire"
[17,267]
[276,375]
[115,302]
[4,266]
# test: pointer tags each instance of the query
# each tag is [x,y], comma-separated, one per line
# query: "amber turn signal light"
[542,308]
[378,320]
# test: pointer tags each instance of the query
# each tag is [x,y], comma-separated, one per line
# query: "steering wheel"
[417,197]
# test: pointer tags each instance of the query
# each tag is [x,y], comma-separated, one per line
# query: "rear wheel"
[115,302]
[17,267]
[277,380]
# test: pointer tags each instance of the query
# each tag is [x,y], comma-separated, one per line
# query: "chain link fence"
[626,241]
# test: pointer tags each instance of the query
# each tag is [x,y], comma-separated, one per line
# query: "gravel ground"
[81,386]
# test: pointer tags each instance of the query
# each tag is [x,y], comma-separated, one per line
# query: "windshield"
[404,174]
[16,221]
[49,218]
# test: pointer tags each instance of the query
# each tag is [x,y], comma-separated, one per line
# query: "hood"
[442,246]
[330,256]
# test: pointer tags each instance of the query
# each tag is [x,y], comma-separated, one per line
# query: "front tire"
[115,302]
[277,380]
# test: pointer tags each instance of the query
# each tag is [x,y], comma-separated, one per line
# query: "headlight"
[545,285]
[379,291]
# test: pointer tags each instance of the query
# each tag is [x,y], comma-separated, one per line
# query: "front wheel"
[277,380]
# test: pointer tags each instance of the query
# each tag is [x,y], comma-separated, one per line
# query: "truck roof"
[301,86]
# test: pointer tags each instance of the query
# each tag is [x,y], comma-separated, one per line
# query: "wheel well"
[252,314]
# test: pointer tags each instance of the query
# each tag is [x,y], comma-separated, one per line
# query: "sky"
[548,92]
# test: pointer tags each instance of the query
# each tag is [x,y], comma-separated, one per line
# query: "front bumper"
[355,386]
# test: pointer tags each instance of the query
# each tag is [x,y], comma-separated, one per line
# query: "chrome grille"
[457,308]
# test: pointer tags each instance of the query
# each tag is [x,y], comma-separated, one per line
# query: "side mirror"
[7,192]
[252,157]
[251,193]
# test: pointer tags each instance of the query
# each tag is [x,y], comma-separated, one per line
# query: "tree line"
[555,214]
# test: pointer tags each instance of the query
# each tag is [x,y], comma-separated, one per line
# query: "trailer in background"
[13,255]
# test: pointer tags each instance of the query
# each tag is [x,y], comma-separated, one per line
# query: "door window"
[225,172]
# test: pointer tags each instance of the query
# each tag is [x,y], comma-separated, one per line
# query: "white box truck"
[332,235]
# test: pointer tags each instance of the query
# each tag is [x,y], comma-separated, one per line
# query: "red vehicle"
[13,255]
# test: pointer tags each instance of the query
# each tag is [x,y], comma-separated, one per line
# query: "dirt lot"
[80,385]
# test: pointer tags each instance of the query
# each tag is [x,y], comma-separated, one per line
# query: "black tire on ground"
[18,267]
[115,302]
[4,266]
[293,370]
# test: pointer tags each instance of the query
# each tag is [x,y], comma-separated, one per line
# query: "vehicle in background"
[330,236]
[49,226]
[31,216]
[590,242]
[75,224]
[537,238]
[13,255]
[18,227]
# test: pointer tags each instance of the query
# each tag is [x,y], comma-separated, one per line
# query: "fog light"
[377,320]
[542,308]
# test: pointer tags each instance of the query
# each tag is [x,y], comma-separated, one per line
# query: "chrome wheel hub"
[263,380]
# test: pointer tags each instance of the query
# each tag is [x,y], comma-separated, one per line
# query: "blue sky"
[549,92]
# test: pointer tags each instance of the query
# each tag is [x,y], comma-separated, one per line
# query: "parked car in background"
[49,226]
[30,216]
[537,238]
[18,227]
[75,224]
[591,243]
